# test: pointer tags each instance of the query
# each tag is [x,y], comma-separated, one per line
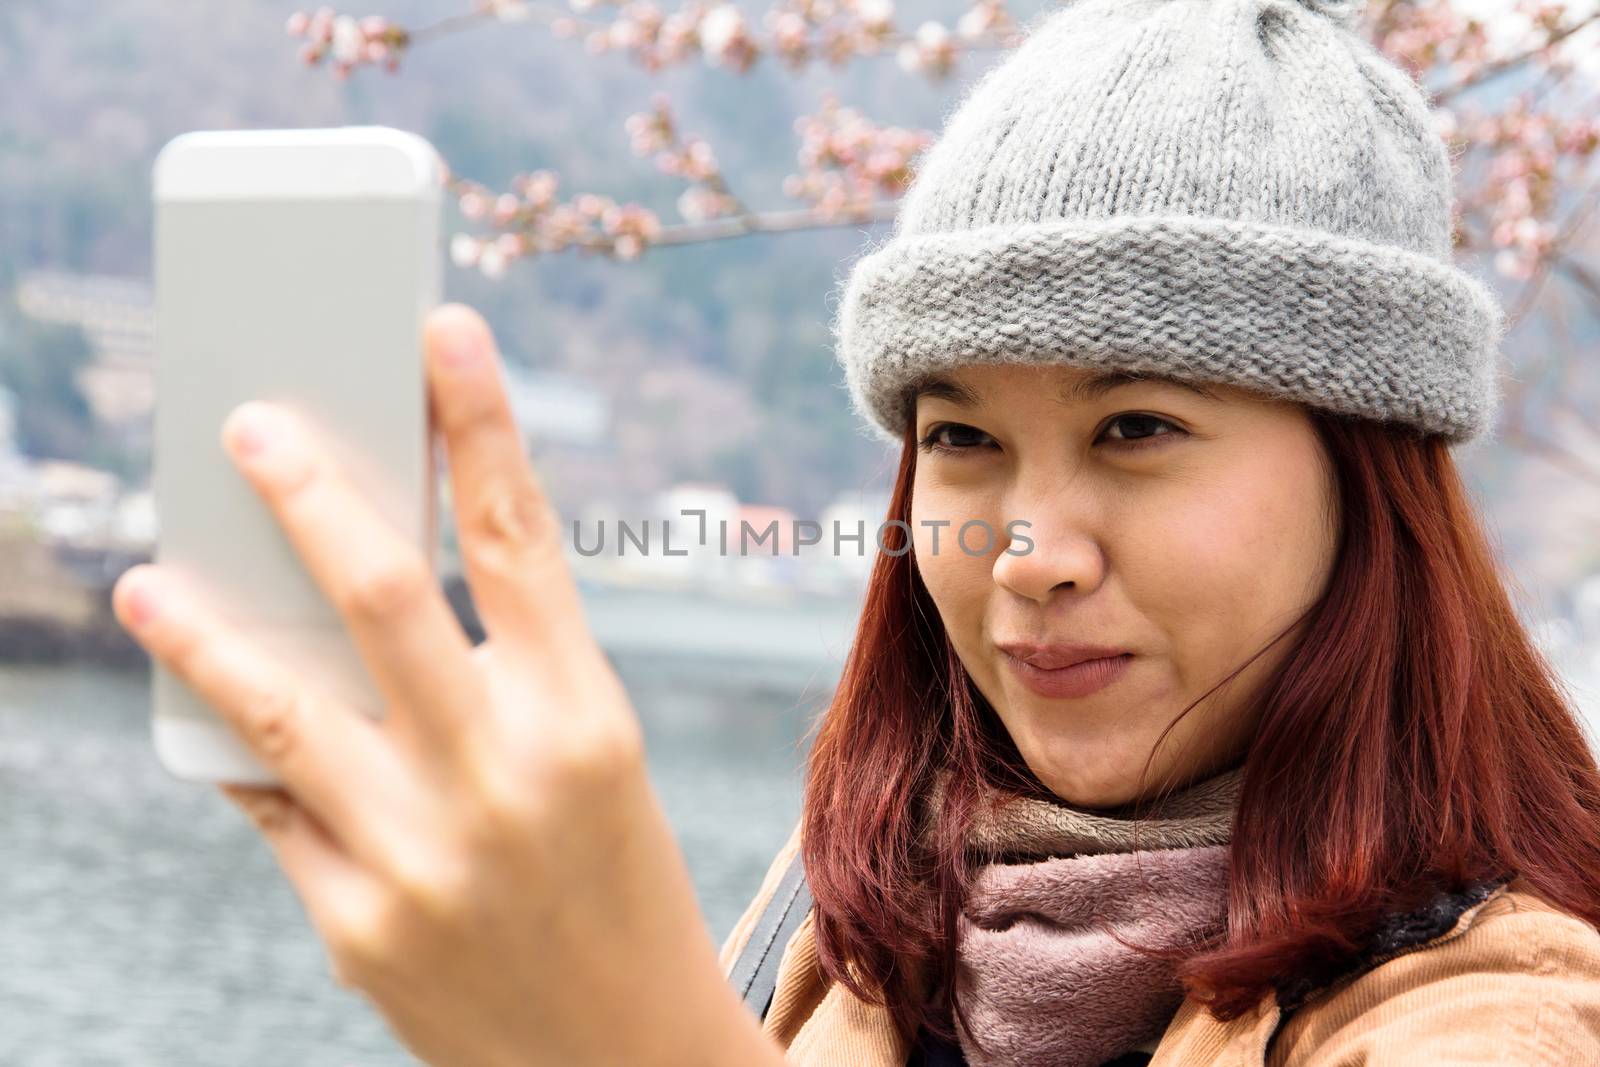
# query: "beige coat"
[1515,981]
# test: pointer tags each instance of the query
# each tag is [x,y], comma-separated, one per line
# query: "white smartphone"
[295,266]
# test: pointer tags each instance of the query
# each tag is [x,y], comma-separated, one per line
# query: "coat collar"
[1196,1036]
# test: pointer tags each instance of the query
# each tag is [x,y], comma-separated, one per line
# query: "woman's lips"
[1078,680]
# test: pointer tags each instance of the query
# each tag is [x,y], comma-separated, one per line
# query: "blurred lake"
[146,922]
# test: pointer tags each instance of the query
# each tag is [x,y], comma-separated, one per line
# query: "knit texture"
[1243,192]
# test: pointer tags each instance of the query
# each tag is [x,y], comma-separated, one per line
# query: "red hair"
[1413,723]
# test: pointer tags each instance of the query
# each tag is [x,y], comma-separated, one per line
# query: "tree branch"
[1501,66]
[1554,454]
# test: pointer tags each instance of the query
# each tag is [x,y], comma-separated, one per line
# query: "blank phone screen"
[317,304]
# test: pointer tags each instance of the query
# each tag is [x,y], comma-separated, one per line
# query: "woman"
[1174,287]
[1170,339]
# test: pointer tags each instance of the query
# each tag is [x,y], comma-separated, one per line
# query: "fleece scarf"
[1041,977]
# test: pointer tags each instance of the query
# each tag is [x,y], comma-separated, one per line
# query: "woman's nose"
[1044,556]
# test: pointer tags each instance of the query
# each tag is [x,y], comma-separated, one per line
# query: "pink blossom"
[505,207]
[539,187]
[624,33]
[931,51]
[507,10]
[697,203]
[464,250]
[875,15]
[725,38]
[627,246]
[492,261]
[348,40]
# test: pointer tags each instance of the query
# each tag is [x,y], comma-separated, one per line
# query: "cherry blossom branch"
[1585,277]
[604,226]
[655,132]
[1549,242]
[797,32]
[1526,154]
[347,42]
[852,172]
[1505,64]
[1527,158]
[1526,151]
[1517,392]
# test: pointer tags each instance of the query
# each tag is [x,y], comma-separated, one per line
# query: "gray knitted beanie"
[1234,191]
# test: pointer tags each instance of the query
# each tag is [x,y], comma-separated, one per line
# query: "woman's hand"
[489,863]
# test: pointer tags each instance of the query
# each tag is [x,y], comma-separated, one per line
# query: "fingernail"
[463,349]
[251,429]
[265,809]
[139,601]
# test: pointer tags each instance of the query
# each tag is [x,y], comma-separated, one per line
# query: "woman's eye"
[1130,431]
[1139,430]
[952,437]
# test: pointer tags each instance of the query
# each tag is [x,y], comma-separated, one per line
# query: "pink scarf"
[1040,979]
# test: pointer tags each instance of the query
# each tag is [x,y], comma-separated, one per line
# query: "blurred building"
[556,408]
[117,315]
[849,545]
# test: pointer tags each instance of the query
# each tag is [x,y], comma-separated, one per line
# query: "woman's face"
[1184,528]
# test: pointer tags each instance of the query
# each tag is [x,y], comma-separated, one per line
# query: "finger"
[331,886]
[334,760]
[509,533]
[378,581]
